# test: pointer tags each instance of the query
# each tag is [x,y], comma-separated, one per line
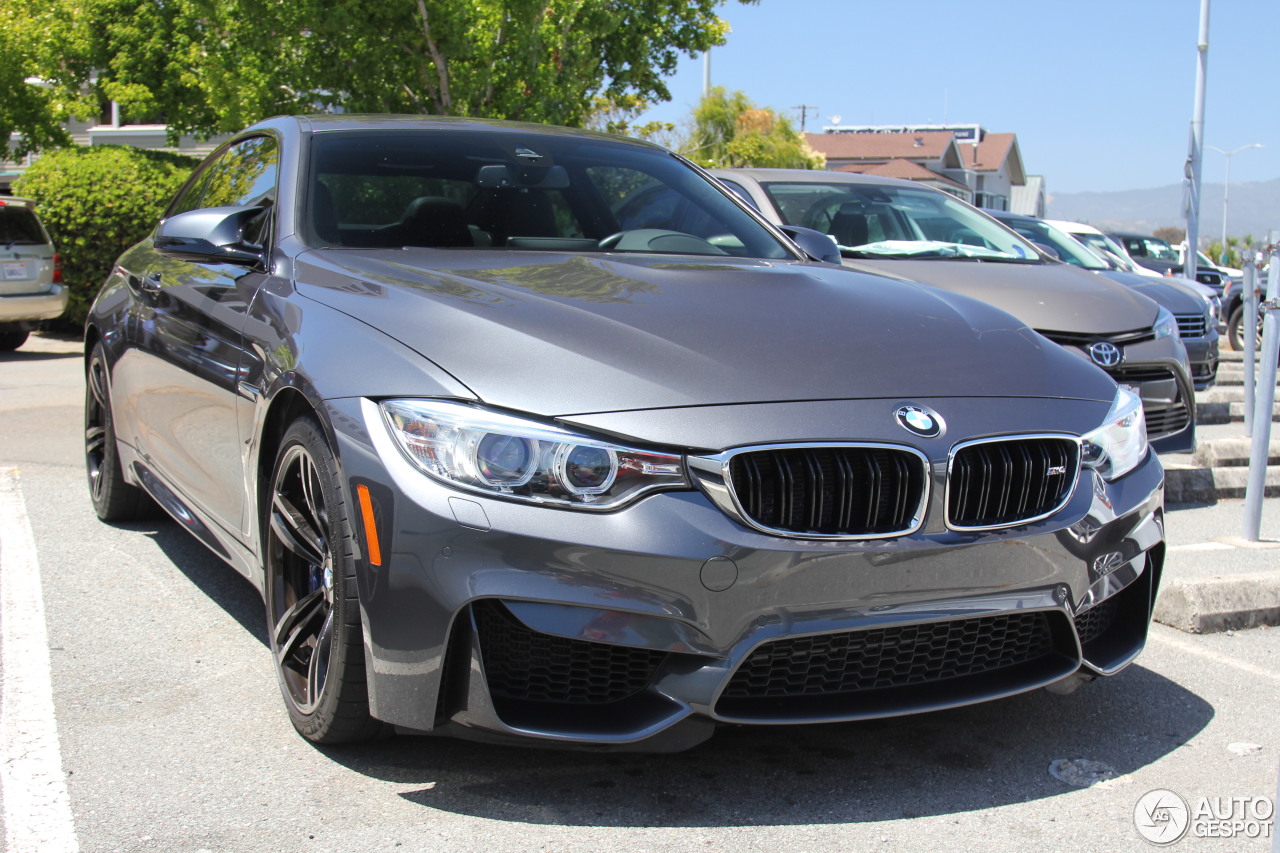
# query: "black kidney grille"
[520,663]
[882,658]
[830,491]
[1094,622]
[1000,483]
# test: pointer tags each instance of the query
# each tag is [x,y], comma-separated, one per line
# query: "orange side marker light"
[370,527]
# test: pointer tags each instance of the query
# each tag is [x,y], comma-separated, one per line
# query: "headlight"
[1166,326]
[504,455]
[1215,306]
[1115,448]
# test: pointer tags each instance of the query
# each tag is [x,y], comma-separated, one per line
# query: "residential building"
[965,160]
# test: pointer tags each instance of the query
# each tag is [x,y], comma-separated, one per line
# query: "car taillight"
[57,268]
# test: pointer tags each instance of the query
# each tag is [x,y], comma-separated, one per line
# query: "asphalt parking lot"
[170,735]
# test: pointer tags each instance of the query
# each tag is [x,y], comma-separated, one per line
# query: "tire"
[10,341]
[313,610]
[1235,331]
[114,500]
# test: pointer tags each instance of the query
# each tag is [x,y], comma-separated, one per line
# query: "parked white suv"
[31,289]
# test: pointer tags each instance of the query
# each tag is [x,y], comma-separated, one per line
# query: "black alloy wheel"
[113,498]
[313,613]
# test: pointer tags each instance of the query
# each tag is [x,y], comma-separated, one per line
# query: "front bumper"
[34,307]
[1202,354]
[648,625]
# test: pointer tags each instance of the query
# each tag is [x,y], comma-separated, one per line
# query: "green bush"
[97,201]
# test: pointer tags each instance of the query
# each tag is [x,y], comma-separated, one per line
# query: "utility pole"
[1196,152]
[804,113]
[706,73]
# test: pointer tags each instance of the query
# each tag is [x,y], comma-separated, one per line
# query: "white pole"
[1265,403]
[1196,153]
[1226,189]
[1250,343]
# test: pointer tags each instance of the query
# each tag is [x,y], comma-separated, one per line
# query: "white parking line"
[1191,648]
[37,808]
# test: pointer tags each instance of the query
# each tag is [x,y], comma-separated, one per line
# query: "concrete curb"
[1206,605]
[1192,484]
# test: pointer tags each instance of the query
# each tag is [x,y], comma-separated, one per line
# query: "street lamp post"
[1226,189]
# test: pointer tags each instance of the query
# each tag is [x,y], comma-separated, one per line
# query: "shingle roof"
[989,154]
[927,144]
[909,171]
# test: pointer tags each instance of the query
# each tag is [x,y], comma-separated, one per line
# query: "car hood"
[1173,295]
[1048,297]
[560,334]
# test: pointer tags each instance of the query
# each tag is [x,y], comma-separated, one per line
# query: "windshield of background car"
[878,221]
[501,189]
[19,227]
[1064,245]
[1150,247]
[1105,246]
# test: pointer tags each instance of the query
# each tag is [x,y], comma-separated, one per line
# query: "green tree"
[729,130]
[211,66]
[96,201]
[40,76]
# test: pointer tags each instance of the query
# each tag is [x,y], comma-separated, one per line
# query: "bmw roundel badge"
[919,420]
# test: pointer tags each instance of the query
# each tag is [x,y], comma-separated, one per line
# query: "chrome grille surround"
[1070,441]
[713,474]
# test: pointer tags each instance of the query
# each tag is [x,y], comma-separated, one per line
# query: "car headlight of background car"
[487,451]
[1120,444]
[1166,325]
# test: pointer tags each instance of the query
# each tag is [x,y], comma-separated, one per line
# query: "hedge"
[96,201]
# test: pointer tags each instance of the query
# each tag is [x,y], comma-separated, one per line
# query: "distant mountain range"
[1252,209]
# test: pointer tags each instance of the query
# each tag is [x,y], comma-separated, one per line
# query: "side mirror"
[212,235]
[815,244]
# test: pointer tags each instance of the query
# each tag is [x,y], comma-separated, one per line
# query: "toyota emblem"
[1105,354]
[919,420]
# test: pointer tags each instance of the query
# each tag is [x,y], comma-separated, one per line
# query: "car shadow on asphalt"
[965,759]
[19,356]
[226,587]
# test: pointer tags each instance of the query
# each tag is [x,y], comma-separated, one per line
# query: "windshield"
[1107,248]
[879,221]
[19,227]
[508,189]
[1064,245]
[1151,247]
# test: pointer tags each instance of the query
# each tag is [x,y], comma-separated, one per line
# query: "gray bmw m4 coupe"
[527,433]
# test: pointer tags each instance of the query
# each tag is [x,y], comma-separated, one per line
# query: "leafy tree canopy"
[213,66]
[729,130]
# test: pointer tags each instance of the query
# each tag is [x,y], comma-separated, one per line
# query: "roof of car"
[1078,227]
[347,122]
[1009,214]
[815,176]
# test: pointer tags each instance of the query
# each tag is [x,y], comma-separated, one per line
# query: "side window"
[242,176]
[245,176]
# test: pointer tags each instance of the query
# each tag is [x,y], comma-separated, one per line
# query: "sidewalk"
[1214,580]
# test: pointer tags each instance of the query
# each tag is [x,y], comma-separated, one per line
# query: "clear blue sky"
[1099,92]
